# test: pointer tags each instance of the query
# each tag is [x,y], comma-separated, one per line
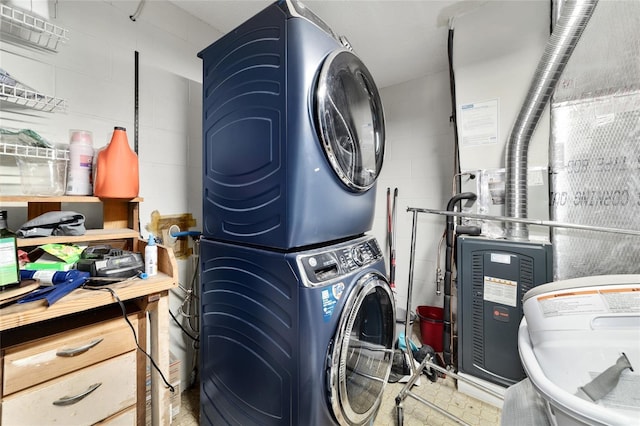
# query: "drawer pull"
[70,400]
[78,351]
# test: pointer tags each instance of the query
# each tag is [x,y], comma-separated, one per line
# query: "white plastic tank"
[573,333]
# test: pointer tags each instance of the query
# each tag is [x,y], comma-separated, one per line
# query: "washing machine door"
[350,120]
[361,353]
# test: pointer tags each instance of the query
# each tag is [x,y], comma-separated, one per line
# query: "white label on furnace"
[501,258]
[502,291]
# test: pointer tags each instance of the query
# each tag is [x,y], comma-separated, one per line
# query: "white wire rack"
[31,99]
[18,150]
[31,29]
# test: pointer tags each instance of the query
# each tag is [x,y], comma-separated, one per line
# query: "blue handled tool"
[194,234]
[55,292]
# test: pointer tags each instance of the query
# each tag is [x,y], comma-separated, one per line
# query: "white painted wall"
[496,50]
[419,162]
[94,72]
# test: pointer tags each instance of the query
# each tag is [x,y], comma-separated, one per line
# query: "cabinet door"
[36,362]
[84,397]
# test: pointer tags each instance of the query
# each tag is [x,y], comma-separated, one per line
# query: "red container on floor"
[431,325]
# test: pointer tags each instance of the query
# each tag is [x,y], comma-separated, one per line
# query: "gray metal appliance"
[493,276]
[293,133]
[297,338]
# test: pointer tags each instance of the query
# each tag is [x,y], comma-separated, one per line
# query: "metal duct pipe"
[556,8]
[573,18]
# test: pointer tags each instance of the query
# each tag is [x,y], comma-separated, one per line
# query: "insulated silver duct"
[573,18]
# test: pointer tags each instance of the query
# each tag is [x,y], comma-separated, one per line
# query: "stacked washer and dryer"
[297,314]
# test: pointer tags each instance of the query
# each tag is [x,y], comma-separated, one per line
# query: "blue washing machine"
[298,338]
[293,133]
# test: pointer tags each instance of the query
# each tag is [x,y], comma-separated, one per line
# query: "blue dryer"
[298,338]
[293,133]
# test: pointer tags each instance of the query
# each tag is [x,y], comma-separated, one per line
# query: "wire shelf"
[17,150]
[31,99]
[28,28]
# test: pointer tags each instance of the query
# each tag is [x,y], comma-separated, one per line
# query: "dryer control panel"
[324,265]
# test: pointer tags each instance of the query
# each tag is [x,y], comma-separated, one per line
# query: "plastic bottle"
[151,257]
[79,178]
[50,277]
[9,266]
[117,169]
[96,154]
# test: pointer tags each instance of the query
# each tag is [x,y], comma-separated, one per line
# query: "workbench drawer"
[108,387]
[123,418]
[36,362]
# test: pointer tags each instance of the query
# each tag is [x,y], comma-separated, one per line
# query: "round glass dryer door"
[350,119]
[362,351]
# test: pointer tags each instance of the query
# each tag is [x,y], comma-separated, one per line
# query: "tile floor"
[442,393]
[189,414]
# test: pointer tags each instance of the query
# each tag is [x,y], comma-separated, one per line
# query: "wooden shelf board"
[17,315]
[64,199]
[90,235]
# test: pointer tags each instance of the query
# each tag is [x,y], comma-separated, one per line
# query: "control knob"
[357,255]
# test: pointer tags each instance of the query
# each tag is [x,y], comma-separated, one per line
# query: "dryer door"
[350,119]
[362,351]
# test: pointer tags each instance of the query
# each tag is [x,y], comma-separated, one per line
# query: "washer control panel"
[321,266]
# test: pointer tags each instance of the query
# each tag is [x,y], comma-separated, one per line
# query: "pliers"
[55,292]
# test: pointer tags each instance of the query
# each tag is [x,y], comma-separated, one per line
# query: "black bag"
[53,223]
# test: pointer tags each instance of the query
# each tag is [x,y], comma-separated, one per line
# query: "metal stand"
[406,391]
[428,361]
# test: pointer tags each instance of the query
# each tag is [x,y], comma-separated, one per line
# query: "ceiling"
[398,40]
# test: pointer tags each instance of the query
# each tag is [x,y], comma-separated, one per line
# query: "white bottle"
[151,257]
[79,177]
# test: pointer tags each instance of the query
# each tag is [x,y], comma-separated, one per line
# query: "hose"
[447,335]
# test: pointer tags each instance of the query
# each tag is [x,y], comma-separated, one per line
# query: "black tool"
[104,261]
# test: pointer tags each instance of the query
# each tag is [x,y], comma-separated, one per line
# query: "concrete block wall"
[419,162]
[94,73]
